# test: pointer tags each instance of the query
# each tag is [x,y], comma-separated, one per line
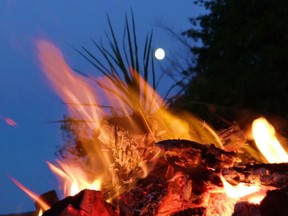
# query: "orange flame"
[71,87]
[126,150]
[43,205]
[40,213]
[267,142]
[251,193]
[265,138]
[75,91]
[74,179]
[238,191]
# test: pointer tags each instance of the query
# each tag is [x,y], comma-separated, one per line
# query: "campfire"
[140,159]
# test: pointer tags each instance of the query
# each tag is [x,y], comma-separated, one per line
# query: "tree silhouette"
[242,62]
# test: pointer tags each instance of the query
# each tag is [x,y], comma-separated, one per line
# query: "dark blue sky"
[25,93]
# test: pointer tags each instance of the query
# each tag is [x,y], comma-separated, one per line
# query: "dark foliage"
[243,60]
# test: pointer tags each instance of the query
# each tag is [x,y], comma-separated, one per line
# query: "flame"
[75,91]
[160,122]
[238,191]
[43,205]
[251,193]
[110,151]
[265,137]
[72,88]
[40,212]
[257,197]
[74,178]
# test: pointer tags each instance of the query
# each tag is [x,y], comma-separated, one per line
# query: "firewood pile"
[187,181]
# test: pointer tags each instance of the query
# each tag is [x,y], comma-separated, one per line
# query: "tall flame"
[75,92]
[267,142]
[72,88]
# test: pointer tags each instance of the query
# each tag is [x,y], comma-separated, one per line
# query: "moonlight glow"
[159,54]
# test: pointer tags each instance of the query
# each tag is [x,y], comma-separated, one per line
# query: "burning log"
[87,202]
[50,197]
[200,162]
[275,203]
[246,209]
[186,153]
[189,166]
[190,178]
[191,163]
[275,175]
[145,199]
[185,181]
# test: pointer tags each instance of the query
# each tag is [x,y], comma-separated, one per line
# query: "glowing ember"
[44,206]
[266,141]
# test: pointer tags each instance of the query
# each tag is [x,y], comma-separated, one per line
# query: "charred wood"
[186,154]
[85,203]
[246,209]
[125,210]
[145,200]
[275,175]
[49,198]
[275,203]
[233,138]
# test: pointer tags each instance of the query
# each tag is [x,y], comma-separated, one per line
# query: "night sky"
[27,101]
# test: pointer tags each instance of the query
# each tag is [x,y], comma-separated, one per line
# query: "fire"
[44,206]
[71,87]
[251,193]
[75,92]
[115,156]
[257,197]
[265,138]
[74,178]
[40,212]
[238,191]
[111,151]
[267,142]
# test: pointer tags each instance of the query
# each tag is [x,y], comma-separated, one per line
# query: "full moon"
[159,54]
